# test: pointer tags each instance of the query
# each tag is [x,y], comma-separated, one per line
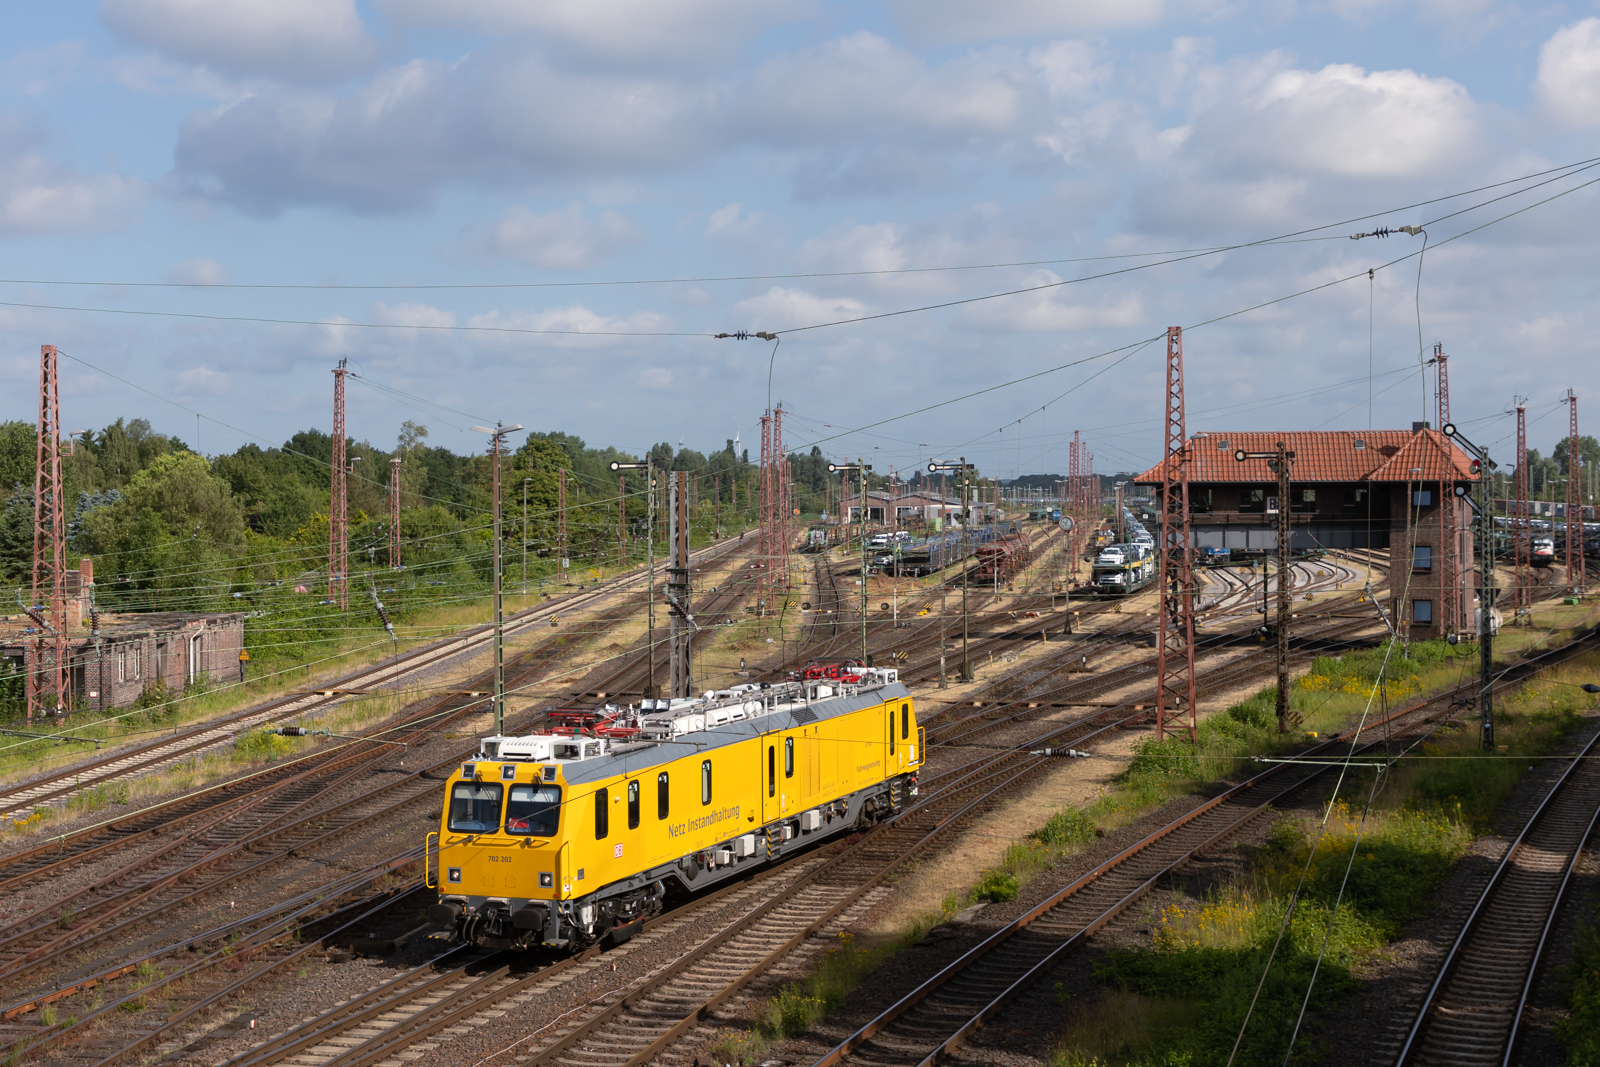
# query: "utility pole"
[1487,594]
[525,482]
[648,466]
[1279,462]
[48,679]
[561,525]
[861,467]
[1449,528]
[339,503]
[622,535]
[1575,577]
[496,441]
[680,620]
[394,513]
[966,524]
[1523,531]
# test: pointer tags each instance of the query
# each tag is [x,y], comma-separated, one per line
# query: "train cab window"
[705,782]
[772,770]
[534,810]
[905,721]
[788,757]
[475,807]
[633,804]
[602,813]
[663,796]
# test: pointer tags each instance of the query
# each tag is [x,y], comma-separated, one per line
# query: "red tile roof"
[1325,456]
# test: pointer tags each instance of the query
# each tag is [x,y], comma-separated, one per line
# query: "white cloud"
[568,327]
[198,271]
[40,195]
[295,40]
[1052,310]
[391,144]
[1340,120]
[779,308]
[1569,74]
[412,315]
[682,32]
[948,21]
[201,381]
[656,379]
[561,240]
[156,75]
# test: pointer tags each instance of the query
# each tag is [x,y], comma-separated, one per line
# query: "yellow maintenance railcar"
[561,839]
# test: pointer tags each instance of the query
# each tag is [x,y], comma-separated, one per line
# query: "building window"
[602,813]
[1199,501]
[122,666]
[1253,501]
[1355,499]
[705,782]
[1422,498]
[1422,612]
[1422,557]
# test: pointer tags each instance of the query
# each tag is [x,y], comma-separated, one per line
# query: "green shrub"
[997,887]
[1069,826]
[1581,1029]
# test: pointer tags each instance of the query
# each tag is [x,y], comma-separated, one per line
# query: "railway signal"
[862,468]
[648,466]
[935,467]
[1279,460]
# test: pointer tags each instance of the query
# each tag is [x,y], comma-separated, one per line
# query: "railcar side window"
[705,782]
[602,813]
[788,757]
[475,808]
[772,771]
[534,810]
[891,731]
[905,721]
[633,804]
[663,796]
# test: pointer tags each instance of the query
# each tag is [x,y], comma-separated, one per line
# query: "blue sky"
[411,144]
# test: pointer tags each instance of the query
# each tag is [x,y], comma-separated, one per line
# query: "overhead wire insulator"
[1065,753]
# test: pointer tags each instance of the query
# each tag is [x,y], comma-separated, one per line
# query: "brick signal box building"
[1379,489]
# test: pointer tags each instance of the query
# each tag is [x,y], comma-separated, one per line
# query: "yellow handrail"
[427,867]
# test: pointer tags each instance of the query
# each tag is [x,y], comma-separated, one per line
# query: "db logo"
[616,853]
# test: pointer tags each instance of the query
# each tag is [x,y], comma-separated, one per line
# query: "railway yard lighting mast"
[497,437]
[1487,592]
[648,466]
[934,466]
[861,468]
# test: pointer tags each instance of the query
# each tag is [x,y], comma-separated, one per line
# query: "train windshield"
[475,808]
[534,810]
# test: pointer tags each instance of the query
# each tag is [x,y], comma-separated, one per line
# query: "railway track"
[930,1021]
[166,751]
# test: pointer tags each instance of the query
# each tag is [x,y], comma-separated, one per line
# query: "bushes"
[1067,827]
[996,887]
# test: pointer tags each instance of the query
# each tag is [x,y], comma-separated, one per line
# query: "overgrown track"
[929,1022]
[1472,1012]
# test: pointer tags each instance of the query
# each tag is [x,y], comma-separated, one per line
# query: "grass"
[1184,997]
[798,1006]
[159,711]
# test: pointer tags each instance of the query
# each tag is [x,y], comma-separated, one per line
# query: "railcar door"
[772,777]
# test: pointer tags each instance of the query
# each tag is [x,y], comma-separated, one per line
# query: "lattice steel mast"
[1175,683]
[1575,578]
[47,674]
[339,503]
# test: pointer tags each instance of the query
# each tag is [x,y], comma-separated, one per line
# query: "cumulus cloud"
[567,327]
[1348,121]
[1569,74]
[949,21]
[198,271]
[200,381]
[684,32]
[41,195]
[561,240]
[1053,310]
[779,308]
[389,145]
[295,40]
